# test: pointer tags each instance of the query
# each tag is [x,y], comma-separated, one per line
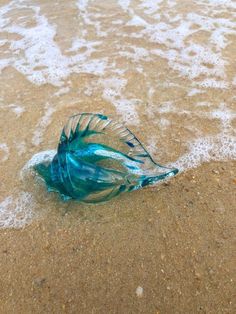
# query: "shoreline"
[166,69]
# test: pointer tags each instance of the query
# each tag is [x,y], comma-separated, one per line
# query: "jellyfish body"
[97,159]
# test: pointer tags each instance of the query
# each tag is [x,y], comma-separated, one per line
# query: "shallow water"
[165,68]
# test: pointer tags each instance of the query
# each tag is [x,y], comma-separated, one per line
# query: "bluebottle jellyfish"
[98,158]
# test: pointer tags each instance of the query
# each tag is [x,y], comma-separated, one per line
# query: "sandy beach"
[165,69]
[176,242]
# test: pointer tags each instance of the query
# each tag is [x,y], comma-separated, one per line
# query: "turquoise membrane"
[98,158]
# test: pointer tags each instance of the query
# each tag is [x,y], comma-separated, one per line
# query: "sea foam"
[205,149]
[111,48]
[17,211]
[4,152]
[35,53]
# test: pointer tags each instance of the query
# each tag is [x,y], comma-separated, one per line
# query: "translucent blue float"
[98,158]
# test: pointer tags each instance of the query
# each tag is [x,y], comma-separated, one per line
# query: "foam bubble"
[225,115]
[139,291]
[112,92]
[138,54]
[3,42]
[234,80]
[82,4]
[117,22]
[230,4]
[81,43]
[5,149]
[219,148]
[16,211]
[150,6]
[44,156]
[203,104]
[124,4]
[18,110]
[62,91]
[43,124]
[88,91]
[36,55]
[194,91]
[137,21]
[222,112]
[192,59]
[213,83]
[20,147]
[127,108]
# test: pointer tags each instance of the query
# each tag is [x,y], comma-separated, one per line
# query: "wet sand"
[175,241]
[165,69]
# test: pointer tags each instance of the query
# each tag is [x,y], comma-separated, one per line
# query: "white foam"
[124,4]
[139,291]
[113,89]
[225,115]
[127,108]
[138,54]
[88,91]
[194,92]
[20,147]
[203,104]
[41,157]
[151,145]
[164,123]
[82,4]
[222,113]
[90,19]
[5,149]
[167,107]
[16,211]
[36,55]
[150,6]
[234,80]
[42,124]
[81,43]
[137,21]
[18,110]
[219,148]
[117,22]
[213,83]
[229,4]
[3,42]
[62,91]
[192,59]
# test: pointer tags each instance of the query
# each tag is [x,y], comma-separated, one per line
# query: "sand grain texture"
[176,242]
[167,70]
